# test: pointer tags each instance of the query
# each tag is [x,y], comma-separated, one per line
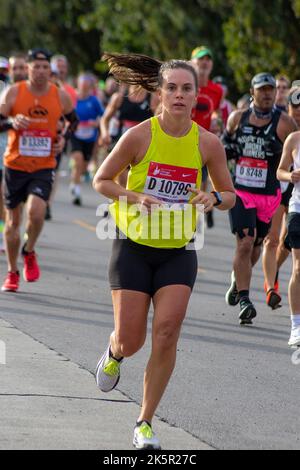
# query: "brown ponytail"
[134,69]
[142,70]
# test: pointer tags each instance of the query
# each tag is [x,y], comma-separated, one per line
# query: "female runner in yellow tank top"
[165,154]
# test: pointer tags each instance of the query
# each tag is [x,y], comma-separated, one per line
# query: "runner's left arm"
[283,173]
[286,126]
[214,157]
[71,122]
[69,113]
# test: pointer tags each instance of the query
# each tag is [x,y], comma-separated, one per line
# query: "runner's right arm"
[229,138]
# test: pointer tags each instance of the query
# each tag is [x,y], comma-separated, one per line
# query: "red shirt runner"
[208,101]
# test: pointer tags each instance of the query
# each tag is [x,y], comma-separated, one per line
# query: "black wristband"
[218,198]
[73,120]
[5,123]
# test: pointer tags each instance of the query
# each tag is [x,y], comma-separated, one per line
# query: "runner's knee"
[12,224]
[165,336]
[36,215]
[271,241]
[127,344]
[245,245]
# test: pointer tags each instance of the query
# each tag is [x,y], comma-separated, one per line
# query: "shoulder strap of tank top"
[245,118]
[154,126]
[197,139]
[196,132]
[275,119]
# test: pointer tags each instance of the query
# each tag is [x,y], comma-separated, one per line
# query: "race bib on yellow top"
[251,172]
[170,184]
[35,143]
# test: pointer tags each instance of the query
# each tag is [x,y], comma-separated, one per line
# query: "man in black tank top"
[254,138]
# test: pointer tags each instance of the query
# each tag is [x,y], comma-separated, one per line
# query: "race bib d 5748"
[252,173]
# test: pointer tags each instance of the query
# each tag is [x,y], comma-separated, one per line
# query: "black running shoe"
[77,201]
[48,215]
[273,299]
[247,312]
[232,295]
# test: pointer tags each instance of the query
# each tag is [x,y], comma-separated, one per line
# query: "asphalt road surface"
[233,387]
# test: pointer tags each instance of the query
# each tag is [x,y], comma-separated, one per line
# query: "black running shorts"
[86,148]
[286,196]
[293,225]
[18,185]
[241,218]
[146,269]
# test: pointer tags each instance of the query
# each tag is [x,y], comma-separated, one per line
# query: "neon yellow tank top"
[171,166]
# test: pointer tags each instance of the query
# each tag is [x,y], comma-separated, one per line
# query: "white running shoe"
[108,372]
[144,437]
[294,340]
[232,295]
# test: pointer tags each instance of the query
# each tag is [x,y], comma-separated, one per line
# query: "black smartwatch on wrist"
[218,198]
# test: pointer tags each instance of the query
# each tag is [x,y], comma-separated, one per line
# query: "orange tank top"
[31,150]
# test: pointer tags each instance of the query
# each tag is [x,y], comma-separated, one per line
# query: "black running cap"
[39,54]
[263,79]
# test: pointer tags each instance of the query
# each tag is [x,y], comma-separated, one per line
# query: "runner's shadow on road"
[237,344]
[237,329]
[69,299]
[38,300]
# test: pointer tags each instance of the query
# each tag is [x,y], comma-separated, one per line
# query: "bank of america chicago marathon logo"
[182,215]
[2,353]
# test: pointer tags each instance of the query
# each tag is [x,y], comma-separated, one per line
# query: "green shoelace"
[146,430]
[112,368]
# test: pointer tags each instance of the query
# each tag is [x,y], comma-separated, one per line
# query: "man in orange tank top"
[30,111]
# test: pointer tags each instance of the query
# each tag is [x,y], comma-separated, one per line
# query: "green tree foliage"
[161,28]
[55,25]
[263,36]
[246,36]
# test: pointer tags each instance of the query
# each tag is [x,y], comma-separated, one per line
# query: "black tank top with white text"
[260,153]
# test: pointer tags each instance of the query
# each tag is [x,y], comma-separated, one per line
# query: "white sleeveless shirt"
[295,199]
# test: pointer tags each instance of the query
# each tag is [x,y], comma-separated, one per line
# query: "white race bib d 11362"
[35,143]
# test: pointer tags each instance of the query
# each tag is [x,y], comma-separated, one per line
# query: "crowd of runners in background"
[87,117]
